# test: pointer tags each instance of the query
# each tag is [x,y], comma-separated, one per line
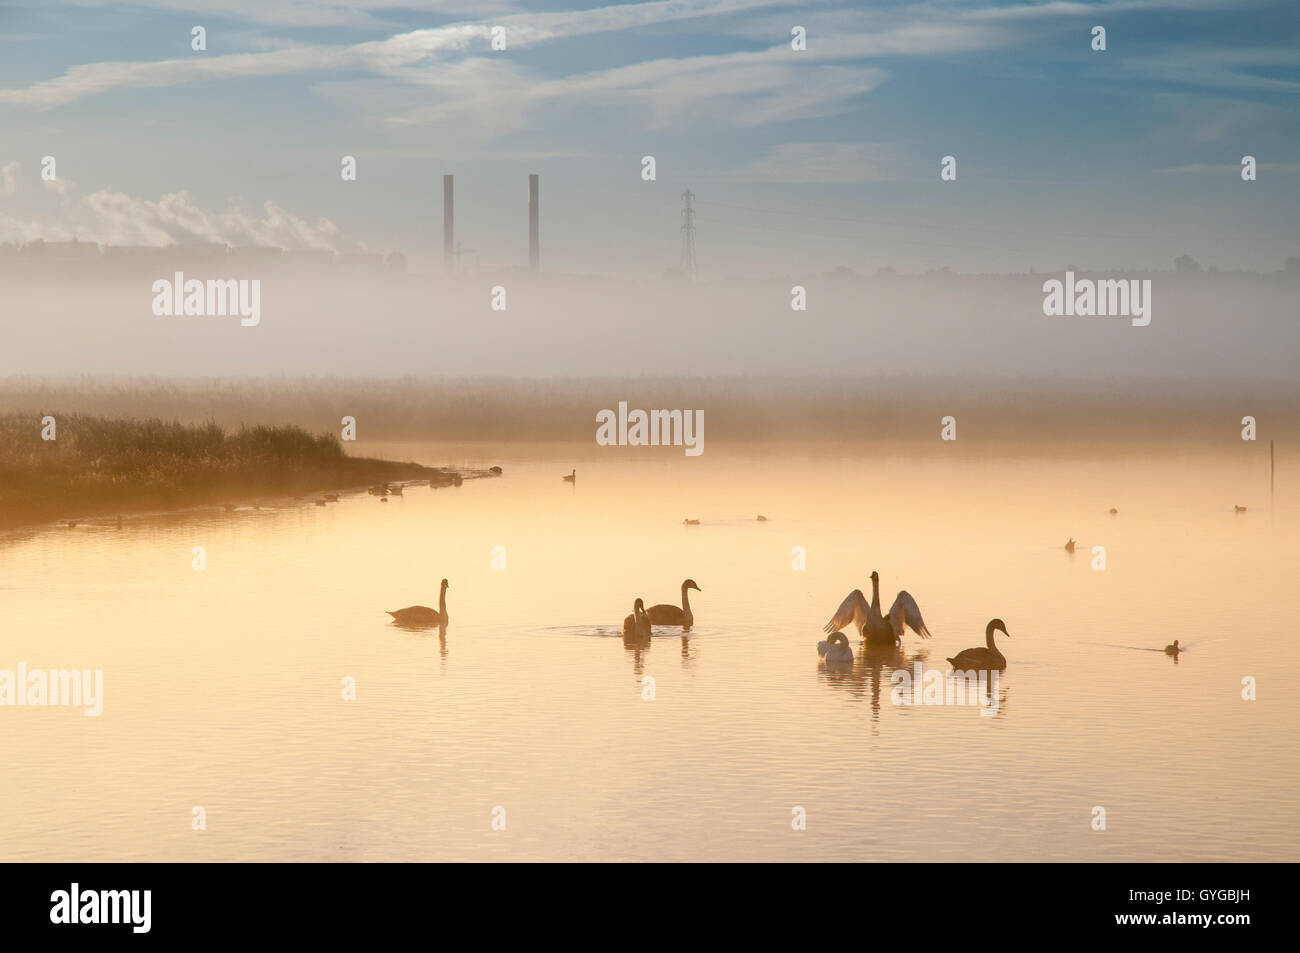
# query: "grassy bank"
[100,465]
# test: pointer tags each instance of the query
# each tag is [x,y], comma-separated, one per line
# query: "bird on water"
[423,615]
[983,658]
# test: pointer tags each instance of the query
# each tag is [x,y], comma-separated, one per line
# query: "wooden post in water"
[1272,470]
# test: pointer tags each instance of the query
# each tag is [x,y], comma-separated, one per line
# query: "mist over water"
[1204,328]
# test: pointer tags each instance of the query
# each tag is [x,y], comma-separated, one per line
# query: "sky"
[800,160]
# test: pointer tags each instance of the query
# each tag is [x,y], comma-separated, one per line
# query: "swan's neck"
[875,593]
[988,638]
[686,600]
[442,601]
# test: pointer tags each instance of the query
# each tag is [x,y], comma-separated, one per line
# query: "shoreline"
[53,513]
[71,467]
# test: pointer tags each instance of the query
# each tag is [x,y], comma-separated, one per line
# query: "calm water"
[223,687]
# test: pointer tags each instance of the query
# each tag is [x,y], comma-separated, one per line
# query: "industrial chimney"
[534,253]
[448,227]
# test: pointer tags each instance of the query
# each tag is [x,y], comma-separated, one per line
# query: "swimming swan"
[423,615]
[866,618]
[983,658]
[572,477]
[637,625]
[836,648]
[665,614]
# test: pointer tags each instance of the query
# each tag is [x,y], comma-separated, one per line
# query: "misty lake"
[224,688]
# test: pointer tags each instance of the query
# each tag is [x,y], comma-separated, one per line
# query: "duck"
[1069,545]
[498,471]
[761,518]
[836,648]
[1113,511]
[866,618]
[637,625]
[1172,649]
[667,614]
[423,615]
[1238,509]
[689,522]
[383,499]
[572,477]
[983,658]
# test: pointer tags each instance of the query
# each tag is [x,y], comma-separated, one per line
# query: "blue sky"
[800,160]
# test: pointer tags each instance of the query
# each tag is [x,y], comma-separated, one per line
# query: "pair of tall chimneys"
[449,225]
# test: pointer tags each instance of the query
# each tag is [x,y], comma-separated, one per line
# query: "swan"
[1172,649]
[666,614]
[637,625]
[836,648]
[987,658]
[572,477]
[866,618]
[423,615]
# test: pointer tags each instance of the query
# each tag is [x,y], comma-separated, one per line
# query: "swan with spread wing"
[865,617]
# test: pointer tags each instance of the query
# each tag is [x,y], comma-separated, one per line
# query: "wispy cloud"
[388,57]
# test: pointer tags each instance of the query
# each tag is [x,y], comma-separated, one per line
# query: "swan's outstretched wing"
[905,610]
[852,610]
